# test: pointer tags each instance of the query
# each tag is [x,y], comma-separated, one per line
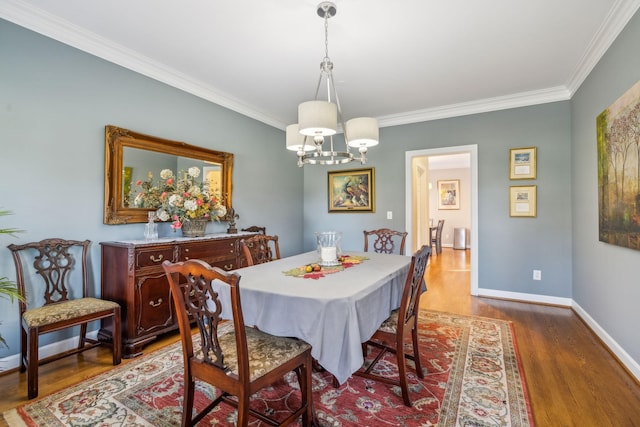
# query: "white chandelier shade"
[296,140]
[362,132]
[318,118]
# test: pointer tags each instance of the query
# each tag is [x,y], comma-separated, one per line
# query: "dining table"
[335,309]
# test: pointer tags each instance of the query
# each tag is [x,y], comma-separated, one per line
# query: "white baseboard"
[518,296]
[13,361]
[632,366]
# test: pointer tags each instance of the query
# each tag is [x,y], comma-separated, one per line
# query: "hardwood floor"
[572,378]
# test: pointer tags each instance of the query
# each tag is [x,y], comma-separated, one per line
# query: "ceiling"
[402,62]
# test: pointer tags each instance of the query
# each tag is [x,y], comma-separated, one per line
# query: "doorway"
[414,192]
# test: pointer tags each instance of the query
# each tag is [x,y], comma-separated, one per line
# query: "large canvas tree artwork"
[618,129]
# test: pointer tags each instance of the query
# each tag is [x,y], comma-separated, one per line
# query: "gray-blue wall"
[55,102]
[509,248]
[605,277]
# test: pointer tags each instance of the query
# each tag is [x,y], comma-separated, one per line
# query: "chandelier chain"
[326,38]
[318,120]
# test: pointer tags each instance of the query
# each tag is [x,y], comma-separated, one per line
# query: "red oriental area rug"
[473,378]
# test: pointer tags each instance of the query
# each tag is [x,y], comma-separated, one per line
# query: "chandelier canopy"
[318,119]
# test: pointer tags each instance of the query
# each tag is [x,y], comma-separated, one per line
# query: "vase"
[194,227]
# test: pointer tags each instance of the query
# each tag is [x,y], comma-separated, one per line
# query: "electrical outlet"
[389,215]
[537,274]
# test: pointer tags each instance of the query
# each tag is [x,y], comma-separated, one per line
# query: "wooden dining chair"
[260,248]
[437,240]
[385,240]
[238,361]
[52,276]
[391,335]
[255,229]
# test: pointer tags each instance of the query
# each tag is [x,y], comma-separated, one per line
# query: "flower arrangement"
[181,199]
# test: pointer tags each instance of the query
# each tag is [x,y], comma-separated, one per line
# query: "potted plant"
[8,288]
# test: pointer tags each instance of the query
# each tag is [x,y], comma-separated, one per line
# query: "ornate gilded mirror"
[132,157]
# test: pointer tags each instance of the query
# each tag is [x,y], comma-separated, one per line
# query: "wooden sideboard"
[132,276]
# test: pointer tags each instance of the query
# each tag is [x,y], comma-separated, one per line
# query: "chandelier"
[318,119]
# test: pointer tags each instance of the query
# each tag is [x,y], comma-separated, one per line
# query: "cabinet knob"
[156,304]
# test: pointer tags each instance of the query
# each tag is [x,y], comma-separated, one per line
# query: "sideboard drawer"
[149,257]
[225,249]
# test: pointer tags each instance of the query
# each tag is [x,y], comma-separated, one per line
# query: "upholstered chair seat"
[266,352]
[66,310]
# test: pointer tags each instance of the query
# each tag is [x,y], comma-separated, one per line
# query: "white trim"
[619,16]
[523,99]
[524,297]
[625,359]
[609,342]
[49,25]
[473,151]
[13,361]
[35,19]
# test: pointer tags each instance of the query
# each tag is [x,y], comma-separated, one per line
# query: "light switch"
[389,215]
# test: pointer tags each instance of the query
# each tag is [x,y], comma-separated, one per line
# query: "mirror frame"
[118,138]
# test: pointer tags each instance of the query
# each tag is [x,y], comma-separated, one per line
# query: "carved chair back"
[385,240]
[260,248]
[58,262]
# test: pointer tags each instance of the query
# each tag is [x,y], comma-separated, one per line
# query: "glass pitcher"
[329,249]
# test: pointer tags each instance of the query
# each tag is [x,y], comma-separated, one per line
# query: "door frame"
[473,152]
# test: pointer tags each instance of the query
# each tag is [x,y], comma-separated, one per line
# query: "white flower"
[175,200]
[221,211]
[194,171]
[195,191]
[163,215]
[166,173]
[190,205]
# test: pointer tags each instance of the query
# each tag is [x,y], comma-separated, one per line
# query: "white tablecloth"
[335,313]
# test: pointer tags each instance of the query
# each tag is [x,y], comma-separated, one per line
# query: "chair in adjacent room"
[255,229]
[437,240]
[260,248]
[402,323]
[53,277]
[385,241]
[237,360]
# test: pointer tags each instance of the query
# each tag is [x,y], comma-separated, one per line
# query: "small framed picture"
[522,163]
[352,190]
[449,194]
[522,201]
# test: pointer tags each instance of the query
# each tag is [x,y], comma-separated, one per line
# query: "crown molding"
[523,99]
[60,30]
[53,27]
[618,17]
